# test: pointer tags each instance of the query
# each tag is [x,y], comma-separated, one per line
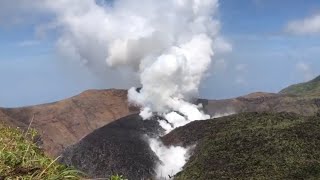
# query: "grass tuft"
[21,158]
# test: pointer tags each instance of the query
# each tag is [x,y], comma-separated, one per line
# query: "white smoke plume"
[167,45]
[173,158]
[172,71]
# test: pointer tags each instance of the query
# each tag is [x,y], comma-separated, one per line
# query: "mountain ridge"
[65,122]
[310,88]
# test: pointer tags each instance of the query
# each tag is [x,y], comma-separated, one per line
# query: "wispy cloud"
[306,70]
[219,65]
[222,46]
[241,70]
[241,81]
[308,25]
[28,43]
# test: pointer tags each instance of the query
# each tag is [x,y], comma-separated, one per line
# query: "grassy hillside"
[311,88]
[20,158]
[252,146]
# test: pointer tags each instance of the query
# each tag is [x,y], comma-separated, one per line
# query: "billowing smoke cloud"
[167,45]
[172,66]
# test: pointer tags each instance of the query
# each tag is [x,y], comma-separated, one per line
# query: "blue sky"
[265,56]
[271,56]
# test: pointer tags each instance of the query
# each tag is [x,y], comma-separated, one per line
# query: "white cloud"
[305,70]
[309,25]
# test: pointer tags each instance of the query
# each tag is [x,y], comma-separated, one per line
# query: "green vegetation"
[254,146]
[20,158]
[117,177]
[311,88]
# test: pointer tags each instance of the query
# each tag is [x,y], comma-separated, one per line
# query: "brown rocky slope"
[64,123]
